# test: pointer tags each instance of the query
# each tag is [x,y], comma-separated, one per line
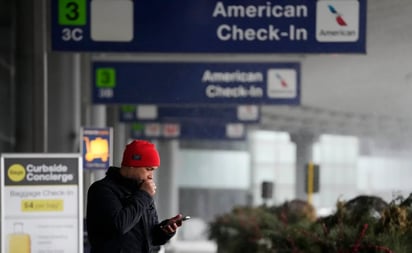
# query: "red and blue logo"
[282,81]
[338,16]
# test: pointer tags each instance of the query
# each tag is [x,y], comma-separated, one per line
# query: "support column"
[91,116]
[31,76]
[121,134]
[304,154]
[98,120]
[253,188]
[64,99]
[167,199]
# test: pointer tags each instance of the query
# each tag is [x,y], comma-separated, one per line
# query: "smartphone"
[186,218]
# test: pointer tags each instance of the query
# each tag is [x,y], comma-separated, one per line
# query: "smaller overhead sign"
[96,147]
[196,83]
[189,130]
[150,113]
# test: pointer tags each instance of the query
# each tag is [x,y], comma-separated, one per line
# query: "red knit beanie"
[140,153]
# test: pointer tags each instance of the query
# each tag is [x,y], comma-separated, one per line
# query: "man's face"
[138,173]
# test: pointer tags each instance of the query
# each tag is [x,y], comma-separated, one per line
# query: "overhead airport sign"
[189,130]
[154,113]
[210,26]
[196,83]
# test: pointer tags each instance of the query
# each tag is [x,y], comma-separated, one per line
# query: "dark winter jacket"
[122,218]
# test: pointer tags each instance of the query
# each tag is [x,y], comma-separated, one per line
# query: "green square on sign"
[137,127]
[105,77]
[128,108]
[72,12]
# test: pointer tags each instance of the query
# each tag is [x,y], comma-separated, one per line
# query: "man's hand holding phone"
[172,224]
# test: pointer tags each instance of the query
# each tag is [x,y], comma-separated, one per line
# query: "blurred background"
[353,120]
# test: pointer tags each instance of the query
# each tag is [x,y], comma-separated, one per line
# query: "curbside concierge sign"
[41,203]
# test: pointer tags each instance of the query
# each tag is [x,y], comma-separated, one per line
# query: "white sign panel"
[41,203]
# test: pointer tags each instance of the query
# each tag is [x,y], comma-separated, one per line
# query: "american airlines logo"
[337,21]
[281,83]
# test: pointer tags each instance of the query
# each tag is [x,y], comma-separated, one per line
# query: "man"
[121,215]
